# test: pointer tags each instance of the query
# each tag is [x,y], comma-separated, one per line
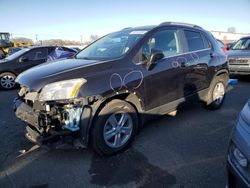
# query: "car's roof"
[147,27]
[247,37]
[150,27]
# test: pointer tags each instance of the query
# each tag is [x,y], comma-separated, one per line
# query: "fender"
[91,111]
[4,71]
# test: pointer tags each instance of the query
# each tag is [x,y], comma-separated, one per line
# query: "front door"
[166,81]
[33,57]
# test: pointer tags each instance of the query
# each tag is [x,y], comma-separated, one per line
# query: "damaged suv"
[102,96]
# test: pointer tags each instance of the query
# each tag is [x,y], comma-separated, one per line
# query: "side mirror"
[154,57]
[23,59]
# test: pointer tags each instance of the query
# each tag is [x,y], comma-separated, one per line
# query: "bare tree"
[59,42]
[93,37]
[23,40]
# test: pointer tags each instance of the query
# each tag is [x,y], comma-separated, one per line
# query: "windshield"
[242,44]
[112,46]
[4,36]
[17,54]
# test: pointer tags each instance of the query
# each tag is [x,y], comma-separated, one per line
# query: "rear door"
[197,55]
[34,57]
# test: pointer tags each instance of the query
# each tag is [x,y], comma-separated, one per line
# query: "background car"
[76,49]
[239,57]
[239,151]
[222,46]
[60,53]
[230,45]
[26,58]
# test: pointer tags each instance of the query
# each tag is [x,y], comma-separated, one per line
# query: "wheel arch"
[7,71]
[129,97]
[222,72]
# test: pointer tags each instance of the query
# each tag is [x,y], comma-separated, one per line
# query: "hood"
[3,60]
[238,53]
[38,76]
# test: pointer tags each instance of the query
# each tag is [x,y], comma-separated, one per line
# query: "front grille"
[242,62]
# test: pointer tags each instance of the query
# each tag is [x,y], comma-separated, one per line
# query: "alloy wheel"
[7,81]
[118,129]
[218,93]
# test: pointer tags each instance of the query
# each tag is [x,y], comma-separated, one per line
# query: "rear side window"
[194,40]
[207,43]
[51,49]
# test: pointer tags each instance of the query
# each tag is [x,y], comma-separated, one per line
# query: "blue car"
[61,53]
[238,166]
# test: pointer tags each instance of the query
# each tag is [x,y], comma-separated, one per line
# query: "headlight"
[239,157]
[61,90]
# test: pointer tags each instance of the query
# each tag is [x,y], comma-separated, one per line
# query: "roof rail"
[180,23]
[126,28]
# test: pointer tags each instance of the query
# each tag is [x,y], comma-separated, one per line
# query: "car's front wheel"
[114,128]
[7,81]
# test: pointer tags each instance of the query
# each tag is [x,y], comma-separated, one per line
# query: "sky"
[64,19]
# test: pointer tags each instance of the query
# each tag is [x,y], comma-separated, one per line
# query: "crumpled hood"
[238,53]
[38,76]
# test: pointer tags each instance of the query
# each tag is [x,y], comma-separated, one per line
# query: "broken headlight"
[61,90]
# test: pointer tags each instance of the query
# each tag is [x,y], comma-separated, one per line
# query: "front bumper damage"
[54,123]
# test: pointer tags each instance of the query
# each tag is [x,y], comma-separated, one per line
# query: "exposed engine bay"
[51,121]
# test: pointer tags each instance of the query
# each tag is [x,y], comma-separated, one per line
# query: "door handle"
[184,64]
[212,54]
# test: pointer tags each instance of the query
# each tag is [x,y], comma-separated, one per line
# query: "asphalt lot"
[188,150]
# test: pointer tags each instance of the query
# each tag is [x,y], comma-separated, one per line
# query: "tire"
[217,92]
[7,81]
[118,135]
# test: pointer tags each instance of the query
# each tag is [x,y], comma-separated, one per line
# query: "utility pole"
[36,39]
[81,38]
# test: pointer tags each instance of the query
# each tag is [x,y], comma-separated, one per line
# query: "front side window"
[37,54]
[194,40]
[242,44]
[112,46]
[166,41]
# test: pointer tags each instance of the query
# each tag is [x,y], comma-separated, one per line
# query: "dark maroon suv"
[103,96]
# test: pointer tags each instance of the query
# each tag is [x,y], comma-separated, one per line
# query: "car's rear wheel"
[114,128]
[217,92]
[7,81]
